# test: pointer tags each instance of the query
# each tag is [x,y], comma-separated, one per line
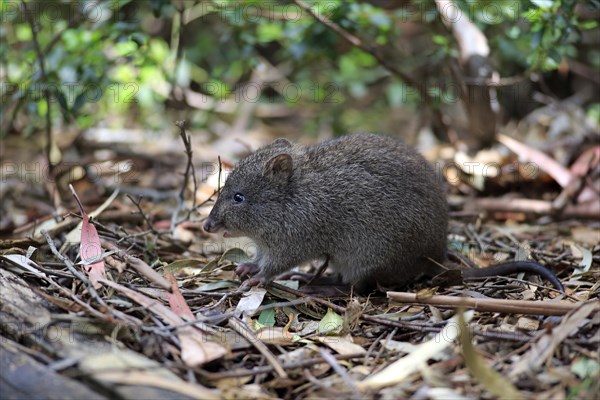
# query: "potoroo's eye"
[238,197]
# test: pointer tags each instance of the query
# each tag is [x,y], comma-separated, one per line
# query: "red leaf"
[90,246]
[176,300]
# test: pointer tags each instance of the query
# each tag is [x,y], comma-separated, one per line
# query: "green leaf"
[257,324]
[439,39]
[23,33]
[267,317]
[532,15]
[185,263]
[586,25]
[514,32]
[550,63]
[585,367]
[331,323]
[363,58]
[347,66]
[536,39]
[126,48]
[210,266]
[139,38]
[70,38]
[123,73]
[235,255]
[396,93]
[269,32]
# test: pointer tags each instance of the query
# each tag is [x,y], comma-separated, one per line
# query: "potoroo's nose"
[209,225]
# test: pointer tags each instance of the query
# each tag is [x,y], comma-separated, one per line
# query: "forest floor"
[154,309]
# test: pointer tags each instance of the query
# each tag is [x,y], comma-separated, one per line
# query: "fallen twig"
[72,269]
[140,266]
[589,210]
[138,204]
[489,305]
[213,376]
[240,327]
[330,359]
[189,170]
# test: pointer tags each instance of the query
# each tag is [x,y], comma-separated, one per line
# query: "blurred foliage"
[117,63]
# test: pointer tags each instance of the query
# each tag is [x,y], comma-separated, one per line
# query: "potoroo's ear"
[281,143]
[279,167]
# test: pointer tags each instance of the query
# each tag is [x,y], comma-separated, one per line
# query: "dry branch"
[475,66]
[589,210]
[488,305]
[190,172]
[140,266]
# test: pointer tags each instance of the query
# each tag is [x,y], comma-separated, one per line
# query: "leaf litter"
[171,316]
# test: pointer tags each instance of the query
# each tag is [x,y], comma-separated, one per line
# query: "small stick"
[240,327]
[319,271]
[68,293]
[540,207]
[138,205]
[212,376]
[141,267]
[189,169]
[330,359]
[383,345]
[490,305]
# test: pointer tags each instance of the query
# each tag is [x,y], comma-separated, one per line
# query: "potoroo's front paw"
[257,280]
[246,269]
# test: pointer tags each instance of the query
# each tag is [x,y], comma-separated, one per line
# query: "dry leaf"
[528,324]
[195,348]
[399,370]
[276,335]
[250,301]
[491,380]
[129,368]
[176,300]
[545,345]
[90,247]
[24,263]
[586,234]
[586,258]
[74,235]
[341,345]
[543,161]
